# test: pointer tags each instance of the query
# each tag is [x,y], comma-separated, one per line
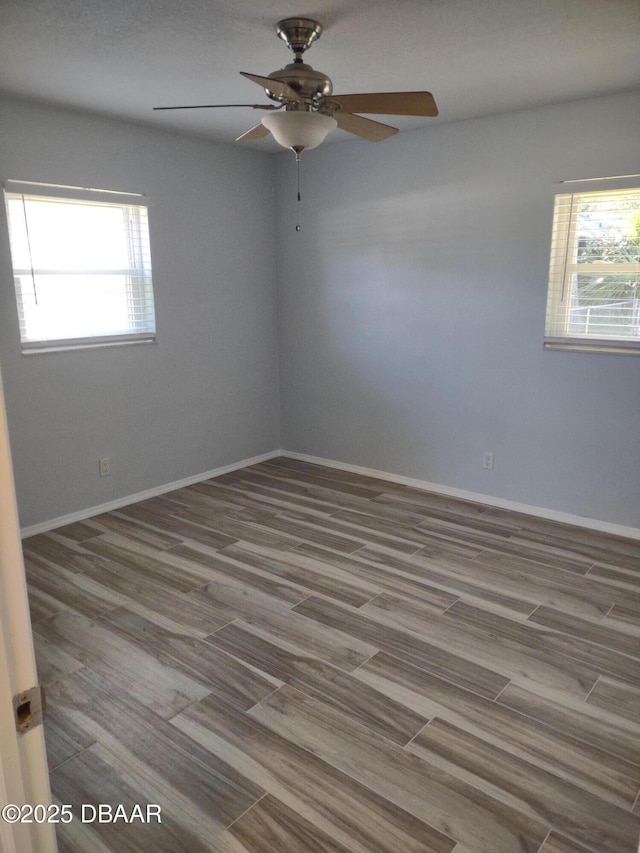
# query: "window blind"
[82,266]
[594,272]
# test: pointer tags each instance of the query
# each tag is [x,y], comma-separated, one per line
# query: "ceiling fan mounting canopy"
[298,34]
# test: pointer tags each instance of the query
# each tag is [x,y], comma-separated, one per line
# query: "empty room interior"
[326,460]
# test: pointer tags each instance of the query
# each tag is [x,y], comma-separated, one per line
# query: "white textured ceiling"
[478,57]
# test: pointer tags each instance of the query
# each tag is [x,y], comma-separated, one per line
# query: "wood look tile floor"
[292,658]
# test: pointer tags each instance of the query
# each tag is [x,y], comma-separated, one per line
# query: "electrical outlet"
[105,466]
[487,460]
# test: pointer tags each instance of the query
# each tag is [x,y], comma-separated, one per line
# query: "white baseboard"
[423,485]
[490,500]
[82,514]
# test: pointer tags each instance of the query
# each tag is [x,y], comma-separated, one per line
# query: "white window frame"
[137,289]
[563,266]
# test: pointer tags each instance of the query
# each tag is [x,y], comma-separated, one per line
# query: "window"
[594,278]
[82,266]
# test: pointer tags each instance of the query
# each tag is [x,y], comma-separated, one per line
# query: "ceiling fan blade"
[219,106]
[386,103]
[254,132]
[374,131]
[278,87]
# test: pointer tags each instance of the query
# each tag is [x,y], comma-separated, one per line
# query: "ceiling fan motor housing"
[308,82]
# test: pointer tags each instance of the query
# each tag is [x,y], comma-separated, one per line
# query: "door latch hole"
[29,708]
[23,713]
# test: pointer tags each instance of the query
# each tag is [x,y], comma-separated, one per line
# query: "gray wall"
[207,393]
[412,311]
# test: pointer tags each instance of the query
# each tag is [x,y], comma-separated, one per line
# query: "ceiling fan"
[307,110]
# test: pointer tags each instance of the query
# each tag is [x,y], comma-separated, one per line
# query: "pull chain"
[298,227]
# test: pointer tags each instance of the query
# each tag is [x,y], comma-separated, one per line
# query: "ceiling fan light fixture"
[299,129]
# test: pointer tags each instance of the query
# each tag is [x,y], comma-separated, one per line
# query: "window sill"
[603,345]
[70,346]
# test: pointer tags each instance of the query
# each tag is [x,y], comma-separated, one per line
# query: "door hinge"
[29,708]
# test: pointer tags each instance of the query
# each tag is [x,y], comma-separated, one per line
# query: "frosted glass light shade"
[299,129]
